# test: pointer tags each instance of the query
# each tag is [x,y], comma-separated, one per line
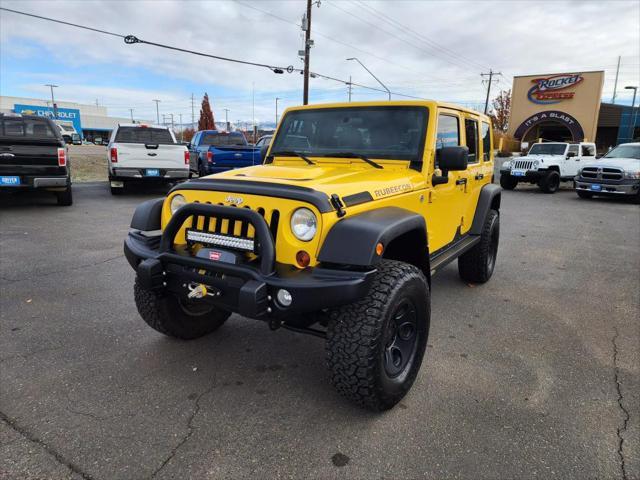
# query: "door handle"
[461,181]
[479,176]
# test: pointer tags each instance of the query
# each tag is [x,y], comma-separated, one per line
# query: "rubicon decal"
[552,89]
[383,192]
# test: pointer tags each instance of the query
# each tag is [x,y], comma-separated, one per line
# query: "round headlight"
[304,224]
[535,164]
[176,202]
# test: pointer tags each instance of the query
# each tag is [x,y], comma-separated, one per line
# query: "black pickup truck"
[33,155]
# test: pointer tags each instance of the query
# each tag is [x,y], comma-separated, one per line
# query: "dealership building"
[90,121]
[568,107]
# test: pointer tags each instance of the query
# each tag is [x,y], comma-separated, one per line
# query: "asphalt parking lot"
[533,375]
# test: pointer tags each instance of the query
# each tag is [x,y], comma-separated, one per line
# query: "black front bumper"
[249,289]
[625,186]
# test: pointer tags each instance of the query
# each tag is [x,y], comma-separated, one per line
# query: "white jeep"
[547,164]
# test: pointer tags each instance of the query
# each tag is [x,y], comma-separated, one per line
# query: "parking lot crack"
[625,422]
[187,435]
[35,440]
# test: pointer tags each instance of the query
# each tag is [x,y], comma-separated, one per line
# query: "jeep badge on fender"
[337,235]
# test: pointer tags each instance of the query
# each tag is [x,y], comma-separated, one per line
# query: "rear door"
[474,175]
[28,146]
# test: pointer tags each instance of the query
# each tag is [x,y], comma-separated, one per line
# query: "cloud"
[434,49]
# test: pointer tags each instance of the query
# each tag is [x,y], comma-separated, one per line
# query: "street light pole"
[181,128]
[277,98]
[226,118]
[53,102]
[157,111]
[633,112]
[371,73]
[132,120]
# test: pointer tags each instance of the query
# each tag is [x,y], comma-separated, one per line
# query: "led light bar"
[220,240]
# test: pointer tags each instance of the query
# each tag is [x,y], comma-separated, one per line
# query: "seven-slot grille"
[522,164]
[219,231]
[602,173]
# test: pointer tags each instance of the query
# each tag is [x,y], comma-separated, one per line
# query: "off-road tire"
[583,194]
[65,198]
[358,336]
[477,265]
[550,182]
[508,182]
[164,313]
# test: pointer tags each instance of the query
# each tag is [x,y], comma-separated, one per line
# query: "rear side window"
[144,135]
[486,141]
[223,139]
[471,132]
[588,150]
[27,128]
[573,149]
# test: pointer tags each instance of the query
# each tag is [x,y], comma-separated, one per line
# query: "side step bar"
[441,259]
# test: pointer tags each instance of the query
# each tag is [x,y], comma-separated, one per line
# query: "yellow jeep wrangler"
[337,234]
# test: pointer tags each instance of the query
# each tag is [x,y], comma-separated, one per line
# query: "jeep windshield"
[624,151]
[393,132]
[548,149]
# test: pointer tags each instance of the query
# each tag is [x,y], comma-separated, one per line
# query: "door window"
[471,133]
[573,149]
[486,141]
[588,151]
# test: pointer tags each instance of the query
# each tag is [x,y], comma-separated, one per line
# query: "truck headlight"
[631,174]
[506,165]
[304,224]
[176,202]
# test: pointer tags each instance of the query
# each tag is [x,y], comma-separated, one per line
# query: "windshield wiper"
[291,153]
[354,155]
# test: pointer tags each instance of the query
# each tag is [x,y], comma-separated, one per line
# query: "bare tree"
[206,121]
[501,110]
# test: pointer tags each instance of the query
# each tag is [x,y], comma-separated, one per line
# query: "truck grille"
[602,173]
[233,229]
[522,164]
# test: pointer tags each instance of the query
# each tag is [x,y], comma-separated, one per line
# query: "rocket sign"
[553,89]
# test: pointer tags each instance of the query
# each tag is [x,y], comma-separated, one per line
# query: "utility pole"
[53,102]
[349,88]
[226,118]
[306,26]
[158,111]
[615,85]
[181,128]
[277,98]
[193,116]
[131,110]
[171,115]
[490,75]
[253,108]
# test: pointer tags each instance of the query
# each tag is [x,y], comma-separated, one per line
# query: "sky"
[423,48]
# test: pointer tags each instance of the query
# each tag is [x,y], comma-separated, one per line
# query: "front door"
[571,162]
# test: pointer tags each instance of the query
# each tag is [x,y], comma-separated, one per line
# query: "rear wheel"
[202,171]
[508,182]
[375,345]
[583,194]
[550,182]
[175,317]
[477,264]
[65,198]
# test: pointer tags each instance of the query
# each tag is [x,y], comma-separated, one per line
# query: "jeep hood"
[342,178]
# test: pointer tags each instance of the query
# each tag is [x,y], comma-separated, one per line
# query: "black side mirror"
[263,151]
[571,154]
[450,159]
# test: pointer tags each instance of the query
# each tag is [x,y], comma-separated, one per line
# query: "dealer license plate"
[153,172]
[596,187]
[9,181]
[518,174]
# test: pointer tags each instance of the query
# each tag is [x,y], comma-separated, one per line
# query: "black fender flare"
[353,240]
[490,197]
[147,215]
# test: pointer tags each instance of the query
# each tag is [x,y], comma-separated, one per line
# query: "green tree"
[206,121]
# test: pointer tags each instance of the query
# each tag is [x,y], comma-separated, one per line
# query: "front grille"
[232,228]
[602,173]
[522,164]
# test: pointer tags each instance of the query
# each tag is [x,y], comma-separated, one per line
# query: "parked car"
[616,174]
[339,240]
[212,151]
[145,153]
[547,164]
[33,155]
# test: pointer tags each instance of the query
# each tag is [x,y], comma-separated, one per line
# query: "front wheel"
[476,265]
[65,198]
[550,182]
[508,182]
[375,346]
[175,317]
